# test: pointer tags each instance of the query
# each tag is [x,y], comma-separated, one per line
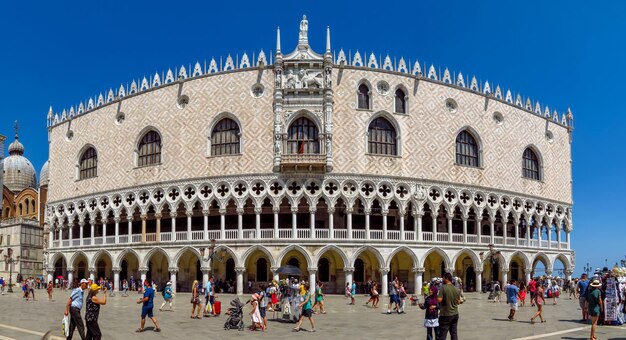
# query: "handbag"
[65,325]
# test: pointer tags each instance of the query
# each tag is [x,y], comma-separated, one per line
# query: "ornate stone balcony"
[303,162]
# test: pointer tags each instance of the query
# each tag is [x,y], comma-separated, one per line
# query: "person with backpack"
[168,296]
[496,290]
[431,319]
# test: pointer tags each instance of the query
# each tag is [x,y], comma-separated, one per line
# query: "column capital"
[312,270]
[116,270]
[528,271]
[240,270]
[91,270]
[384,212]
[384,270]
[174,269]
[568,272]
[189,213]
[349,210]
[419,270]
[240,211]
[312,210]
[205,212]
[173,214]
[222,211]
[143,270]
[51,270]
[81,223]
[416,213]
[143,217]
[367,211]
[158,216]
[504,270]
[331,210]
[274,269]
[348,270]
[294,210]
[205,269]
[117,219]
[69,270]
[450,270]
[258,210]
[275,210]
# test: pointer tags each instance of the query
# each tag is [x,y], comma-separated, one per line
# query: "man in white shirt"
[73,307]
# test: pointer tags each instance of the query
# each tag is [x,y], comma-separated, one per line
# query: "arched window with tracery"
[467,151]
[303,137]
[400,101]
[363,97]
[382,138]
[88,164]
[149,150]
[225,138]
[530,165]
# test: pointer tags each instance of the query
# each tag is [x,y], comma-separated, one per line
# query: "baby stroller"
[235,315]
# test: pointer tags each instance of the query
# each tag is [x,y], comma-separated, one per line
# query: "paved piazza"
[480,319]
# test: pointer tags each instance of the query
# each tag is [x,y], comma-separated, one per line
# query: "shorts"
[394,298]
[262,311]
[211,299]
[581,302]
[513,305]
[307,313]
[146,311]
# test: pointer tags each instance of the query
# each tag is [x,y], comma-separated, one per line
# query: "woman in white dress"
[255,315]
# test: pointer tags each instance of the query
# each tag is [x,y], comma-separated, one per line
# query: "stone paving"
[479,319]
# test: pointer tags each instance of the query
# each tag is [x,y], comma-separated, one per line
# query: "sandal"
[139,330]
[157,330]
[296,329]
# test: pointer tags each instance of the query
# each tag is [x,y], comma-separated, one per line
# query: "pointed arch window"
[382,138]
[303,137]
[467,152]
[530,165]
[88,164]
[400,101]
[363,97]
[225,138]
[149,149]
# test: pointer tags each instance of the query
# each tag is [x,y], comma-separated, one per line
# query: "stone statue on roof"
[304,28]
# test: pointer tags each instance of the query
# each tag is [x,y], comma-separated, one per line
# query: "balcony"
[290,235]
[303,163]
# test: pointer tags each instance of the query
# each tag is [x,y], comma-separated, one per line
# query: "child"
[431,319]
[522,294]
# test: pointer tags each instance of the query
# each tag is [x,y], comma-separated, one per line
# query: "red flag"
[301,149]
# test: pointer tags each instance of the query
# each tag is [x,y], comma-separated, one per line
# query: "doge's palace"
[351,167]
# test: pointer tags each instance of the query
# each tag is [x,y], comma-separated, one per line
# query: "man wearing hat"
[593,305]
[73,307]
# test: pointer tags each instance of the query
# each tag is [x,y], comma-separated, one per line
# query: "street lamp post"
[212,255]
[587,269]
[8,259]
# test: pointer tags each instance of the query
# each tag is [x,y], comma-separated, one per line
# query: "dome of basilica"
[43,175]
[19,173]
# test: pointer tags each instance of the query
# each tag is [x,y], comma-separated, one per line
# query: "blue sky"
[562,53]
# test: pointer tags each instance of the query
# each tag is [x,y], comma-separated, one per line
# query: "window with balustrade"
[467,149]
[149,149]
[531,165]
[382,138]
[400,101]
[363,97]
[225,138]
[303,137]
[88,164]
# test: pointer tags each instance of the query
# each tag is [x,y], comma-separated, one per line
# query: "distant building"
[21,228]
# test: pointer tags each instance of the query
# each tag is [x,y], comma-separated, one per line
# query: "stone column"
[92,274]
[70,276]
[505,276]
[240,271]
[142,274]
[558,237]
[479,280]
[60,227]
[50,278]
[130,228]
[294,222]
[417,222]
[205,229]
[348,271]
[104,231]
[449,218]
[51,237]
[479,229]
[465,228]
[549,230]
[189,215]
[173,216]
[274,275]
[240,223]
[257,221]
[401,217]
[312,211]
[158,226]
[549,272]
[517,233]
[331,223]
[567,238]
[349,222]
[205,275]
[385,213]
[275,210]
[527,234]
[505,228]
[116,279]
[143,228]
[418,279]
[117,229]
[568,274]
[312,280]
[368,211]
[539,236]
[492,228]
[173,272]
[434,218]
[69,233]
[527,272]
[222,224]
[384,281]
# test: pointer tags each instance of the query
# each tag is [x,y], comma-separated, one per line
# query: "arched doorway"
[464,267]
[188,271]
[367,267]
[401,266]
[296,258]
[261,270]
[330,271]
[129,268]
[257,264]
[158,269]
[60,268]
[359,271]
[81,266]
[434,266]
[104,266]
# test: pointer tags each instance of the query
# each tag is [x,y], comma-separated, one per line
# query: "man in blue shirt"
[73,307]
[512,292]
[581,288]
[209,298]
[148,304]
